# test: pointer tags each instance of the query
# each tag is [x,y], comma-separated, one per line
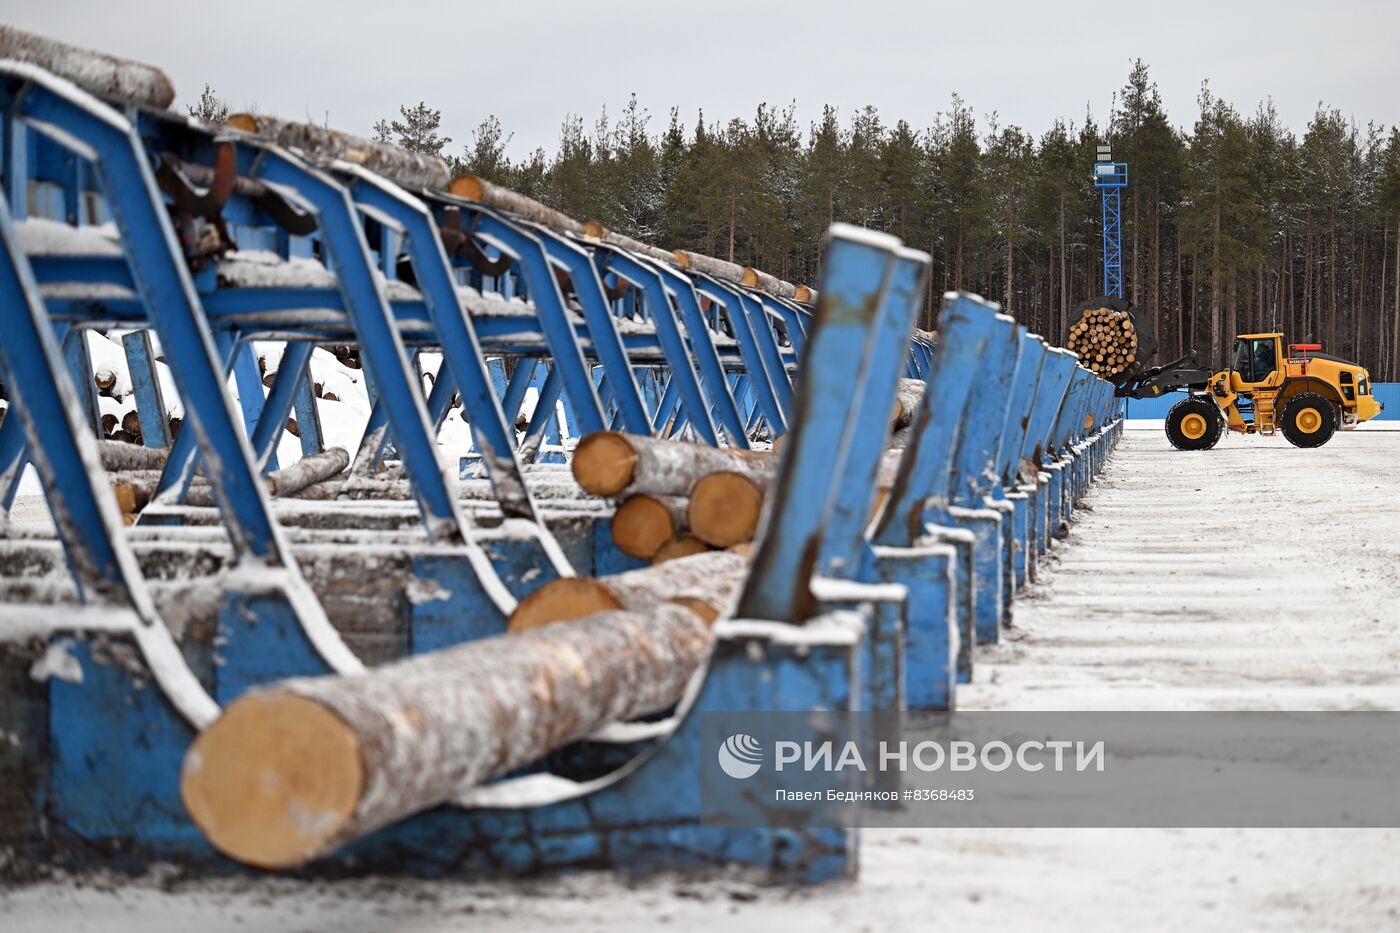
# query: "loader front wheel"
[1308,420]
[1194,424]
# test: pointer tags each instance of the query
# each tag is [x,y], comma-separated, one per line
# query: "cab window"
[1254,359]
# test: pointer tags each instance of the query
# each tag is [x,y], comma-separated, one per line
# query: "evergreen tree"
[416,132]
[209,107]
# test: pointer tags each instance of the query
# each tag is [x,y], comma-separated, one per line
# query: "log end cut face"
[604,463]
[273,780]
[641,525]
[562,600]
[724,509]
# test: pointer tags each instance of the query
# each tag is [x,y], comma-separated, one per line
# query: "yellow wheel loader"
[1304,394]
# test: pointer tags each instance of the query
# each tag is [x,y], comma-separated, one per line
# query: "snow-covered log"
[96,72]
[718,268]
[477,189]
[642,524]
[302,767]
[117,456]
[596,231]
[906,403]
[706,583]
[314,469]
[412,170]
[756,278]
[608,462]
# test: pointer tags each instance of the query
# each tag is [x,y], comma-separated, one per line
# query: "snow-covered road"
[1254,576]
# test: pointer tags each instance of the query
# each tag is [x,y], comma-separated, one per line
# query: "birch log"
[413,170]
[607,463]
[295,770]
[682,545]
[642,524]
[706,582]
[96,72]
[756,278]
[806,295]
[718,268]
[477,189]
[725,507]
[906,403]
[596,231]
[118,456]
[314,469]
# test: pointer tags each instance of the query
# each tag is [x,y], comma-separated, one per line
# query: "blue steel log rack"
[148,631]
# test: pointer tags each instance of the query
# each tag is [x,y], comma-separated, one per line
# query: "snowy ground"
[1251,576]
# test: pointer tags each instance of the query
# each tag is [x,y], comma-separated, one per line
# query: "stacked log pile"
[678,498]
[1106,341]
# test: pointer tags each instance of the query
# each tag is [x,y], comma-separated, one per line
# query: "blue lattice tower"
[1110,178]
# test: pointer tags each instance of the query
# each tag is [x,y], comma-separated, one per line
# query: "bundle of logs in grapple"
[1105,340]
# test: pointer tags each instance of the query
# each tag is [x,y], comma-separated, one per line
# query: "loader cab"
[1256,362]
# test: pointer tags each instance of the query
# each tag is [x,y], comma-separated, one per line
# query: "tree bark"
[96,72]
[302,767]
[607,463]
[725,271]
[412,170]
[480,190]
[771,284]
[710,580]
[314,469]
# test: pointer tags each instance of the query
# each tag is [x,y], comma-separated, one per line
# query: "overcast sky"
[531,62]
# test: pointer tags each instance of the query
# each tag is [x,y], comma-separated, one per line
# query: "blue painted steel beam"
[543,291]
[461,353]
[924,472]
[382,350]
[857,269]
[45,404]
[702,348]
[873,394]
[164,285]
[689,394]
[145,384]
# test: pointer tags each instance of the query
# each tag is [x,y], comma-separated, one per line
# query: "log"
[725,507]
[805,294]
[109,424]
[595,231]
[642,524]
[607,463]
[473,188]
[297,769]
[718,268]
[678,547]
[763,281]
[314,469]
[95,72]
[906,403]
[131,423]
[413,170]
[711,579]
[104,379]
[119,456]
